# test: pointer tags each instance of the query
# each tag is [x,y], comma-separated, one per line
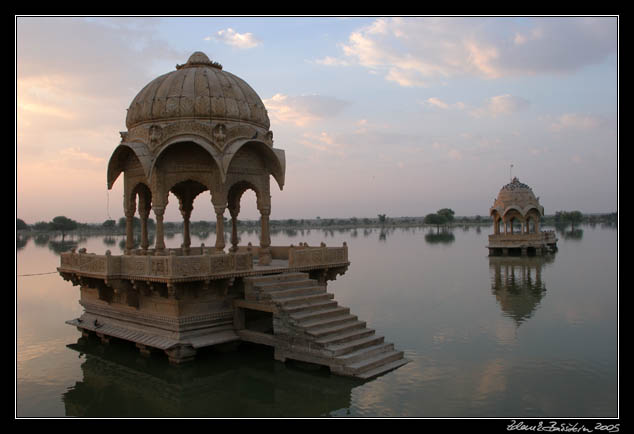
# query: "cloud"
[415,51]
[77,156]
[332,61]
[79,83]
[438,103]
[235,39]
[323,142]
[113,57]
[444,150]
[576,122]
[304,109]
[501,105]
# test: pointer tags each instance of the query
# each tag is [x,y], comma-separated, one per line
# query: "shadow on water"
[517,284]
[243,382]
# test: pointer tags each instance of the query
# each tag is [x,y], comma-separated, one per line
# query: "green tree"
[63,224]
[382,218]
[42,226]
[435,219]
[109,224]
[19,224]
[447,213]
[573,217]
[565,218]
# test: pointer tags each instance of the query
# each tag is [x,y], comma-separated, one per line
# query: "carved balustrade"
[171,267]
[197,263]
[544,237]
[305,256]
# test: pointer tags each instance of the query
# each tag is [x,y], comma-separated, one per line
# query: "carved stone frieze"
[217,133]
[220,135]
[155,134]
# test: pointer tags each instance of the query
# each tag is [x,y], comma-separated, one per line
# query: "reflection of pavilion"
[247,383]
[518,210]
[517,284]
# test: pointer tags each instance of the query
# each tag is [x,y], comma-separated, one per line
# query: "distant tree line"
[442,217]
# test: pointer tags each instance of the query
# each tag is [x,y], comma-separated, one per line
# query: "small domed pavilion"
[516,215]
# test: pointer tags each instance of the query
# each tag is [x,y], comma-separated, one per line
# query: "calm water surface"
[486,337]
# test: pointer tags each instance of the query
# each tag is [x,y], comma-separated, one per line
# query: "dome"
[199,89]
[517,195]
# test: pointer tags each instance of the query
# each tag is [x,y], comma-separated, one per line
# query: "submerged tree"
[63,224]
[20,224]
[435,219]
[565,218]
[447,213]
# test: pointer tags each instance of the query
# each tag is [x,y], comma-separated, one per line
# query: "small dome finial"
[199,58]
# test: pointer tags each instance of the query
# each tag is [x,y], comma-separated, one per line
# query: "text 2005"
[607,428]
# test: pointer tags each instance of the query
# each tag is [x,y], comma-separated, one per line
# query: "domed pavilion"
[516,215]
[200,128]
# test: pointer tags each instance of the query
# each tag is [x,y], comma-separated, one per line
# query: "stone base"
[180,354]
[179,347]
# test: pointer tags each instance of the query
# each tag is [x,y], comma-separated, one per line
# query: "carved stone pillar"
[129,231]
[234,211]
[265,238]
[186,237]
[160,240]
[144,213]
[220,227]
[129,210]
[186,200]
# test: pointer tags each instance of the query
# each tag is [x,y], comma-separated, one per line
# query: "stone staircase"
[310,326]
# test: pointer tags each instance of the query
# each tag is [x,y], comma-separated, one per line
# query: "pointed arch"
[121,156]
[275,159]
[188,138]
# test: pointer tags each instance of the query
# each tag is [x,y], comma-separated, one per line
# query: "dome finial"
[198,58]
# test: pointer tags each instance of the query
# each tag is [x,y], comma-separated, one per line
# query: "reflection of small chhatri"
[195,129]
[517,284]
[516,204]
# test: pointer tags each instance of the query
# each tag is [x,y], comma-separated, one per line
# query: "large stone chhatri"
[200,128]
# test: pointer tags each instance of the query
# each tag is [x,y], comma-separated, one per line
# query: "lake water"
[493,338]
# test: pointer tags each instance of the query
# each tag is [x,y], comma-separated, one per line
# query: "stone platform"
[534,244]
[179,301]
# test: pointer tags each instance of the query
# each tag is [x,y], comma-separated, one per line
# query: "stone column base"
[180,354]
[264,257]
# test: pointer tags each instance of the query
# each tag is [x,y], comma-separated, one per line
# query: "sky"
[377,115]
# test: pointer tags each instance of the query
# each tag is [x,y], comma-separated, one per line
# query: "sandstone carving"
[516,214]
[200,128]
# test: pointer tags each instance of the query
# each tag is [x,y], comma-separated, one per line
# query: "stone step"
[365,353]
[302,298]
[308,317]
[340,327]
[355,345]
[310,306]
[268,278]
[319,323]
[374,362]
[282,284]
[379,370]
[282,293]
[346,336]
